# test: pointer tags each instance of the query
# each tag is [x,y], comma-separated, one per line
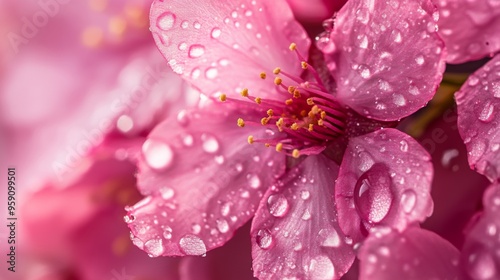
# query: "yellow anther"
[263,75]
[323,115]
[296,93]
[280,122]
[293,46]
[241,122]
[270,112]
[250,139]
[276,71]
[303,113]
[258,100]
[244,92]
[294,126]
[311,127]
[289,101]
[310,114]
[279,147]
[267,145]
[310,102]
[304,65]
[277,81]
[321,122]
[264,121]
[295,153]
[291,89]
[315,109]
[222,97]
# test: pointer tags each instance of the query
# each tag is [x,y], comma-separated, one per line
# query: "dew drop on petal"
[166,21]
[167,233]
[211,73]
[403,146]
[420,60]
[216,32]
[210,143]
[154,247]
[222,225]
[264,239]
[196,228]
[158,155]
[192,245]
[486,114]
[124,123]
[196,51]
[321,267]
[225,208]
[254,181]
[167,193]
[183,118]
[305,194]
[278,205]
[329,238]
[408,200]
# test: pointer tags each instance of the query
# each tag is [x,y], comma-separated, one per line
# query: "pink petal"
[202,181]
[480,255]
[469,28]
[413,254]
[222,47]
[478,105]
[388,57]
[384,179]
[295,232]
[314,11]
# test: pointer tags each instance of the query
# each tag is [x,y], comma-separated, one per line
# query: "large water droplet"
[166,21]
[192,245]
[373,195]
[196,51]
[305,194]
[324,43]
[158,154]
[278,205]
[215,33]
[329,238]
[222,225]
[210,143]
[321,267]
[211,73]
[408,200]
[154,247]
[264,239]
[486,114]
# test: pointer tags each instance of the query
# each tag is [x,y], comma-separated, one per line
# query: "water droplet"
[182,46]
[403,146]
[420,60]
[222,225]
[324,43]
[196,228]
[254,181]
[166,21]
[197,25]
[277,205]
[384,85]
[321,267]
[306,216]
[216,32]
[154,247]
[211,73]
[196,51]
[414,90]
[305,194]
[129,218]
[329,24]
[329,238]
[486,114]
[219,159]
[192,245]
[188,140]
[158,155]
[167,193]
[399,100]
[364,43]
[481,265]
[365,73]
[264,239]
[408,200]
[210,143]
[373,195]
[225,208]
[397,36]
[384,251]
[167,233]
[124,123]
[491,229]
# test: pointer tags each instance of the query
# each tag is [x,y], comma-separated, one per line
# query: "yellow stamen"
[293,46]
[258,100]
[267,145]
[303,113]
[289,101]
[294,126]
[222,98]
[291,89]
[296,93]
[270,112]
[244,92]
[264,121]
[295,153]
[241,122]
[315,109]
[304,65]
[310,102]
[311,127]
[279,147]
[250,139]
[277,81]
[323,115]
[276,71]
[320,122]
[263,75]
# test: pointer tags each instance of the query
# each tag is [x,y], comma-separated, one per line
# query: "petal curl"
[295,234]
[413,254]
[202,181]
[478,105]
[469,28]
[222,47]
[389,58]
[384,179]
[480,254]
[315,11]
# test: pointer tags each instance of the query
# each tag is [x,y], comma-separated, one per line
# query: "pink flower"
[334,179]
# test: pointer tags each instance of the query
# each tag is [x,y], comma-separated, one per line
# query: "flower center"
[304,112]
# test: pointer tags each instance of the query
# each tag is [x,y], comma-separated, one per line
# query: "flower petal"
[469,28]
[229,44]
[295,232]
[480,256]
[478,119]
[385,179]
[202,181]
[413,254]
[389,58]
[314,11]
